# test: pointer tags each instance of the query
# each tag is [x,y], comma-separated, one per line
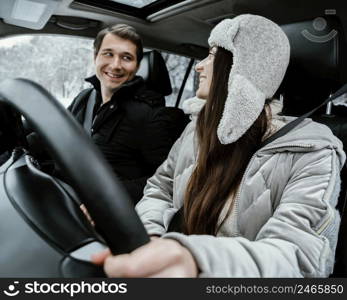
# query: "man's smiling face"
[115,63]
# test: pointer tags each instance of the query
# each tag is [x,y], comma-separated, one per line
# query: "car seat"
[154,71]
[317,69]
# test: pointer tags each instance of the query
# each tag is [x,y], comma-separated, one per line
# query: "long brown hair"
[219,168]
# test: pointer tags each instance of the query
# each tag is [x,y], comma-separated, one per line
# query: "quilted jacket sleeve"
[298,240]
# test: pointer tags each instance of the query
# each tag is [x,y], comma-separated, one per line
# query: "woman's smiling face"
[205,69]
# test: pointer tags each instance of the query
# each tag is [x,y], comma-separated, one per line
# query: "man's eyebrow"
[122,53]
[127,53]
[107,49]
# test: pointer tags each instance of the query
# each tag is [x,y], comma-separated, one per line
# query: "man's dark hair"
[123,31]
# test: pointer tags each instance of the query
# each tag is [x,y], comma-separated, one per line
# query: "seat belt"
[177,220]
[285,129]
[88,115]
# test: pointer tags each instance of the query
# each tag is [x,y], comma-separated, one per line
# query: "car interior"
[316,71]
[53,227]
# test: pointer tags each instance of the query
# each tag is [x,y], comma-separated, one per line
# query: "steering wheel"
[94,182]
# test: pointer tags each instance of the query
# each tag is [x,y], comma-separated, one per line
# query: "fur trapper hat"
[261,54]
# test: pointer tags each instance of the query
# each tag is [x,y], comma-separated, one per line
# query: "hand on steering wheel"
[158,258]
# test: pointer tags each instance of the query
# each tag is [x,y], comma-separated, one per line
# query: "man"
[123,117]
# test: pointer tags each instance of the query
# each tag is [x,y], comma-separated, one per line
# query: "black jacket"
[131,130]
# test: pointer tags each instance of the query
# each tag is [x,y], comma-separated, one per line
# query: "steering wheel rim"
[88,172]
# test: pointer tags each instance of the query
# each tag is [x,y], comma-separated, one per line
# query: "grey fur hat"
[261,54]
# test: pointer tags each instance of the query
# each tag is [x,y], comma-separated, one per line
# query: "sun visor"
[32,14]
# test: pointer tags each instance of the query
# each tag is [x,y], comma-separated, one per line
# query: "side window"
[59,63]
[177,66]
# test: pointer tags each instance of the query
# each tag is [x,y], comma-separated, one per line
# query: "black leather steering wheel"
[83,164]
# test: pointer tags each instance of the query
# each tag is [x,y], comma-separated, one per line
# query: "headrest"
[153,70]
[316,67]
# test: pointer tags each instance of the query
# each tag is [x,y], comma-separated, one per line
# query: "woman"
[249,211]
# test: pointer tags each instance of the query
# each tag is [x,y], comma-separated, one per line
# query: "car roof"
[180,27]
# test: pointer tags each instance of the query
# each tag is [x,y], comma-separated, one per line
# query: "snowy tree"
[58,63]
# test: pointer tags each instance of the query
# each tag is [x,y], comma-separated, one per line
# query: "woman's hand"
[158,258]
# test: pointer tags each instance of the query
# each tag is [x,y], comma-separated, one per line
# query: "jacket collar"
[129,86]
[135,88]
[192,107]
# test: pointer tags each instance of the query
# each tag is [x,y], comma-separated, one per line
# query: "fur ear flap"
[243,106]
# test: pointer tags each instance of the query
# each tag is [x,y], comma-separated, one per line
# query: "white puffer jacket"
[284,223]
